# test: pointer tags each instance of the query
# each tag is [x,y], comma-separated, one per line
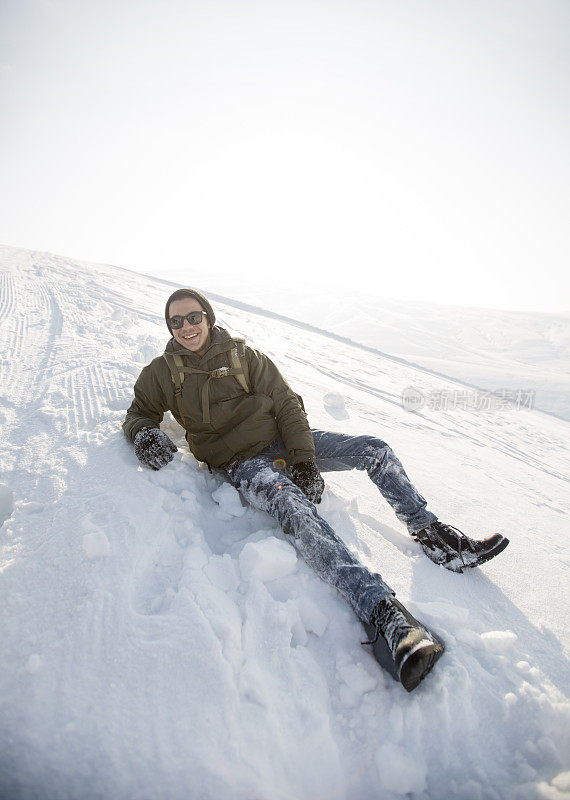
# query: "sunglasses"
[194,318]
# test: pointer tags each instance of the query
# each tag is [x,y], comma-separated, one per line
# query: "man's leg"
[442,544]
[337,451]
[400,643]
[269,490]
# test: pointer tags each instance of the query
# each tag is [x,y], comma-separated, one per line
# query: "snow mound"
[334,405]
[333,401]
[229,500]
[95,541]
[499,641]
[312,617]
[267,560]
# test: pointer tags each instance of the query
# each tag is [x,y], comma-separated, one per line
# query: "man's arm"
[148,407]
[292,421]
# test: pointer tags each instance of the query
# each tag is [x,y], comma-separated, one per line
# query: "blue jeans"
[267,488]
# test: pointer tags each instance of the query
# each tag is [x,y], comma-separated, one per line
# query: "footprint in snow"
[158,586]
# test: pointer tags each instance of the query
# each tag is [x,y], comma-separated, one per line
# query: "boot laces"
[390,623]
[434,531]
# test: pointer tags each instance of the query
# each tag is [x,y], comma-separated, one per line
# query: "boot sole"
[488,556]
[419,663]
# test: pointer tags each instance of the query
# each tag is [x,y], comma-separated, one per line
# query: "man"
[241,417]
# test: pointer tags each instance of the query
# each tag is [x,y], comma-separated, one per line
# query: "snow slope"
[161,640]
[484,348]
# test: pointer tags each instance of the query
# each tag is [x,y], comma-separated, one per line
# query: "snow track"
[162,640]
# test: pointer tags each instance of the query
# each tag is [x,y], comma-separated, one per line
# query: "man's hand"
[308,478]
[153,448]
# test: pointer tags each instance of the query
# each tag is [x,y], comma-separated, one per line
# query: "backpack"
[239,369]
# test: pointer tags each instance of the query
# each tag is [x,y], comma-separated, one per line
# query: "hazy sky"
[415,148]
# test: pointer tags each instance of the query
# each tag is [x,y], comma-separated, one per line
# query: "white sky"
[413,148]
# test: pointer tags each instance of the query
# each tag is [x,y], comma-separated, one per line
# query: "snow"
[229,500]
[562,782]
[480,349]
[6,503]
[162,639]
[34,663]
[499,641]
[334,404]
[95,543]
[400,774]
[267,560]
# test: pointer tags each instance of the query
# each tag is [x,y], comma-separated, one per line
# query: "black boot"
[401,644]
[450,548]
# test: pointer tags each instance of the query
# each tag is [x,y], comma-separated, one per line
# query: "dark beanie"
[179,294]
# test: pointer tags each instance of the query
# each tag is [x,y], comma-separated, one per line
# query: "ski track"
[142,659]
[7,295]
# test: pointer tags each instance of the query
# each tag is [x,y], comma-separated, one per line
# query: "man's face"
[193,337]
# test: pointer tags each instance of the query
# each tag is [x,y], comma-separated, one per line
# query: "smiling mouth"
[190,336]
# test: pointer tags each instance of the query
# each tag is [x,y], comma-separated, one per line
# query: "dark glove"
[308,479]
[153,448]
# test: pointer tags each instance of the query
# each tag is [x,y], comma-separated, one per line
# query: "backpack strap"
[239,364]
[178,371]
[176,366]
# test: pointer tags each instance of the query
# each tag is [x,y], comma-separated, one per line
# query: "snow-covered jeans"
[264,485]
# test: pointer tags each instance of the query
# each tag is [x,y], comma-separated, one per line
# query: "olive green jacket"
[241,424]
